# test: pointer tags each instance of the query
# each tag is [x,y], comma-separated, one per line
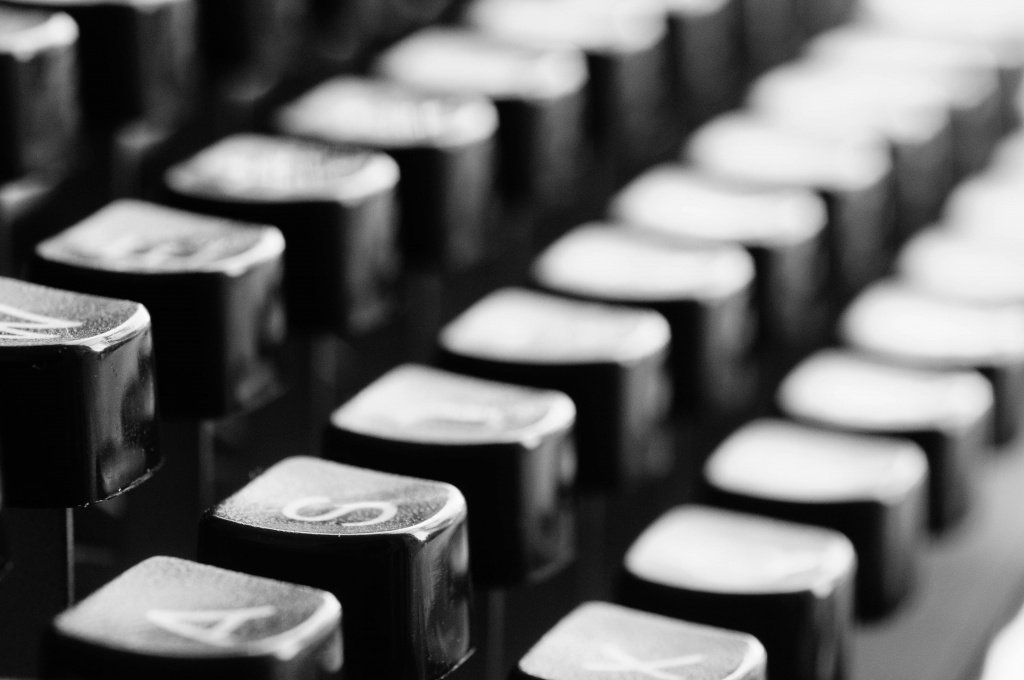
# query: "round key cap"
[898,323]
[509,449]
[335,207]
[171,618]
[611,361]
[626,48]
[38,91]
[844,99]
[789,585]
[872,489]
[539,93]
[782,228]
[965,263]
[136,57]
[703,290]
[392,549]
[967,74]
[213,286]
[852,175]
[444,145]
[598,640]
[947,413]
[988,204]
[78,419]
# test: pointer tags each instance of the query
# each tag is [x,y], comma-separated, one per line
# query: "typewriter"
[532,339]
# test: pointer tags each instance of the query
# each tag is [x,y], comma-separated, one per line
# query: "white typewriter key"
[977,262]
[896,322]
[852,175]
[540,94]
[170,618]
[38,91]
[872,489]
[989,204]
[137,58]
[947,413]
[597,641]
[704,291]
[78,424]
[782,228]
[444,145]
[392,549]
[334,206]
[611,360]
[213,286]
[967,74]
[508,448]
[789,585]
[845,100]
[626,47]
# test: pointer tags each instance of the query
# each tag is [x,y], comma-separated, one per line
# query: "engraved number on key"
[384,509]
[214,627]
[31,326]
[620,661]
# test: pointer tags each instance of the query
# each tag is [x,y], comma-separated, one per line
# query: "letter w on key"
[215,627]
[31,326]
[620,661]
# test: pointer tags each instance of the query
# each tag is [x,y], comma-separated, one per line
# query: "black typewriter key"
[896,322]
[872,489]
[392,549]
[854,177]
[947,413]
[598,640]
[611,360]
[627,50]
[136,57]
[789,585]
[539,93]
[508,448]
[38,92]
[782,228]
[335,207]
[214,289]
[908,114]
[172,618]
[967,76]
[77,426]
[976,262]
[444,145]
[703,290]
[707,55]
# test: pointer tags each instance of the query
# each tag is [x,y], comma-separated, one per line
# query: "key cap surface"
[789,585]
[611,361]
[77,419]
[509,449]
[703,290]
[444,145]
[167,617]
[213,286]
[871,489]
[894,321]
[602,640]
[38,91]
[392,549]
[334,206]
[782,228]
[947,413]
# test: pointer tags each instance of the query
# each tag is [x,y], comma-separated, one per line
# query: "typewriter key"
[598,640]
[789,585]
[947,413]
[872,489]
[392,549]
[170,618]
